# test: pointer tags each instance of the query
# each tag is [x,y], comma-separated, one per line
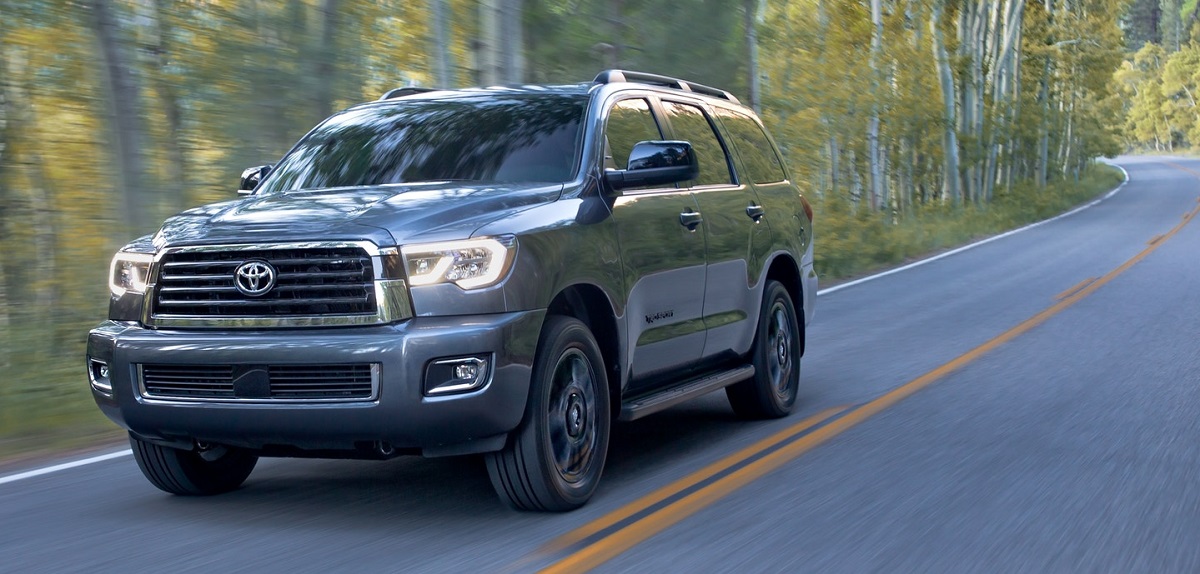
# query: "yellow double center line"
[624,528]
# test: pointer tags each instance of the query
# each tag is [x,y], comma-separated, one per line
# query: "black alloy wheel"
[771,393]
[554,459]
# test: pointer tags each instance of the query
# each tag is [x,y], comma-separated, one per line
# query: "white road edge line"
[119,454]
[63,466]
[836,288]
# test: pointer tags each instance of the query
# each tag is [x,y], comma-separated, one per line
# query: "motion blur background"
[913,124]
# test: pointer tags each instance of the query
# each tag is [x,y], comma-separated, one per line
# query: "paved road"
[1050,424]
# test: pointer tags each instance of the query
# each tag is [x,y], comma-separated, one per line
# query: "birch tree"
[950,185]
[874,157]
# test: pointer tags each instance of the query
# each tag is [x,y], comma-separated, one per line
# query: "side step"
[667,398]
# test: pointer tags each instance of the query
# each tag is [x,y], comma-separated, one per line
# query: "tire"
[553,461]
[193,473]
[771,393]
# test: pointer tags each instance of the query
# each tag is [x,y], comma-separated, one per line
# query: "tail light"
[807,208]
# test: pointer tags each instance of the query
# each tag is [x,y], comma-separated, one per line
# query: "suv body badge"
[254,278]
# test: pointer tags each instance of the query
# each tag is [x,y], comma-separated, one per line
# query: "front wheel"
[554,459]
[214,470]
[776,355]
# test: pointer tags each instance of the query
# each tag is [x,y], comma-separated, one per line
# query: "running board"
[667,398]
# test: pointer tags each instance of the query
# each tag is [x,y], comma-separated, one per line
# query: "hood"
[386,215]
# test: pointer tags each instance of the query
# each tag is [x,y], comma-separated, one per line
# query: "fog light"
[98,376]
[466,371]
[456,374]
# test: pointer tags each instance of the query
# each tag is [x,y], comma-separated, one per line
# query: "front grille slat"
[205,289]
[310,282]
[270,302]
[197,277]
[294,383]
[313,380]
[302,275]
[182,264]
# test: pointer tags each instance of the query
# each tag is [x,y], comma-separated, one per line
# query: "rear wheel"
[212,470]
[776,355]
[554,459]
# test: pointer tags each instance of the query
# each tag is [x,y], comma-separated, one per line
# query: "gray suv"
[504,271]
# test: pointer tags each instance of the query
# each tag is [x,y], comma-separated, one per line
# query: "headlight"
[129,272]
[470,263]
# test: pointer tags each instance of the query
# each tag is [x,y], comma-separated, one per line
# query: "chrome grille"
[310,282]
[296,383]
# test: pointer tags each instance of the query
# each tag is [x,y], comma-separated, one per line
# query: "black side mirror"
[251,177]
[656,163]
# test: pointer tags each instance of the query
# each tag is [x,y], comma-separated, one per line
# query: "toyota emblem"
[254,278]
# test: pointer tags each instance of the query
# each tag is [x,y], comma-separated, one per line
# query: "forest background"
[912,124]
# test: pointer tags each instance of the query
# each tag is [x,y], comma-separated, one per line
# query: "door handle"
[756,212]
[690,219]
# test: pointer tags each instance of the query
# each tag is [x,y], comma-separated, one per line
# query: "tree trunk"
[834,156]
[125,119]
[441,45]
[177,170]
[616,45]
[950,186]
[325,69]
[972,40]
[512,42]
[489,43]
[1069,138]
[750,15]
[7,131]
[1004,93]
[873,160]
[1043,157]
[501,42]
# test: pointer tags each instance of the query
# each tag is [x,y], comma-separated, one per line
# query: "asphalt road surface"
[1028,405]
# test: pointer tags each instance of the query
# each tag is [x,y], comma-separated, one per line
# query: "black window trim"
[659,118]
[708,115]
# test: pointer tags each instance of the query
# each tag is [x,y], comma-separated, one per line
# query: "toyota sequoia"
[503,271]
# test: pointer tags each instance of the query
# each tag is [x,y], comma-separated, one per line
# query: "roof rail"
[610,76]
[405,91]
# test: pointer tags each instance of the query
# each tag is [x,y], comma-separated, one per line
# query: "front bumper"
[400,415]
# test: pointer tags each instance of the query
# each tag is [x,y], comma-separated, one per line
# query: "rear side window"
[629,122]
[691,124]
[758,155]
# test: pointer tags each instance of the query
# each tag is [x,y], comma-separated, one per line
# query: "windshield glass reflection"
[497,139]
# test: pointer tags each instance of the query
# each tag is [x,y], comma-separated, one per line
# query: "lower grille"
[268,383]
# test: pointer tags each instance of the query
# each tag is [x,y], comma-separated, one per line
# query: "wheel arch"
[783,268]
[590,305]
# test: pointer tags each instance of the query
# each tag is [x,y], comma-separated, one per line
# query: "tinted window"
[629,122]
[758,155]
[691,124]
[518,138]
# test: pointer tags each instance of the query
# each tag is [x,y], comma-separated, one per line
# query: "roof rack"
[610,76]
[405,91]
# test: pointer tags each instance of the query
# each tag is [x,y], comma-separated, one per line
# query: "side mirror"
[251,177]
[656,163]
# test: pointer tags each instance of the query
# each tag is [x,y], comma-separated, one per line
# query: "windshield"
[518,138]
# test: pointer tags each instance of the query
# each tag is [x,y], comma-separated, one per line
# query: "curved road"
[1030,404]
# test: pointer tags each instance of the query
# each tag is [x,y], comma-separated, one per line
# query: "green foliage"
[852,243]
[1156,94]
[226,85]
[572,40]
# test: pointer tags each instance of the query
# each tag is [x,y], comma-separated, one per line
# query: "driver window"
[629,122]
